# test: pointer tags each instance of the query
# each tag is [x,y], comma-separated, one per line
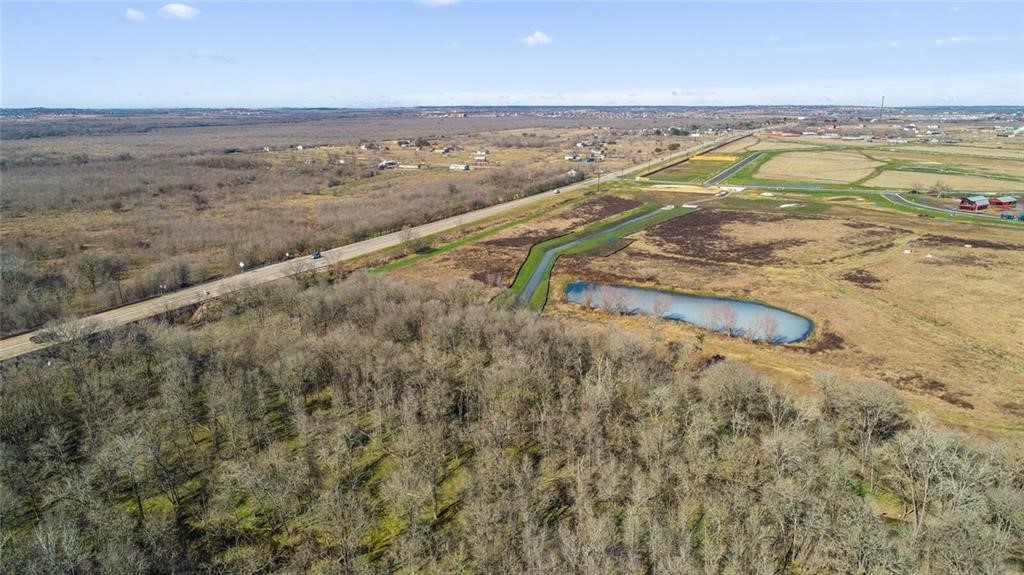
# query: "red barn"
[1004,202]
[974,203]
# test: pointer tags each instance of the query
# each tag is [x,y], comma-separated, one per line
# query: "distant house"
[974,203]
[458,168]
[1004,202]
[480,156]
[387,165]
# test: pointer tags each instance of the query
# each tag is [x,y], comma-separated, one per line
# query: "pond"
[739,318]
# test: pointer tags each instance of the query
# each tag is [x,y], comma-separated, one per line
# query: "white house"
[458,168]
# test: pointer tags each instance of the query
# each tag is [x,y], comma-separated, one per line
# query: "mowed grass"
[597,235]
[693,171]
[818,167]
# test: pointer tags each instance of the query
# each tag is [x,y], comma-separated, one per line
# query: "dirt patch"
[1015,408]
[699,235]
[825,341]
[599,209]
[950,241]
[918,383]
[862,278]
[581,215]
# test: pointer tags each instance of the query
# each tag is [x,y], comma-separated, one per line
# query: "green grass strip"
[594,238]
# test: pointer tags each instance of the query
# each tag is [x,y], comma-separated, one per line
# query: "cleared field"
[740,145]
[1010,151]
[981,166]
[847,270]
[823,167]
[907,180]
[772,144]
[692,171]
[682,188]
[495,260]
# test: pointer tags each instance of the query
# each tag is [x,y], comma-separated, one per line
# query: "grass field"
[961,184]
[696,170]
[594,236]
[844,265]
[836,258]
[824,167]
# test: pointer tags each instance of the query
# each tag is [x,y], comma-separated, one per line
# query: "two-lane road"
[21,344]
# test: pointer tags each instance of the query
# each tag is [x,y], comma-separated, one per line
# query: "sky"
[451,53]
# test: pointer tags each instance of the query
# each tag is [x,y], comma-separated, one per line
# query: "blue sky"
[215,54]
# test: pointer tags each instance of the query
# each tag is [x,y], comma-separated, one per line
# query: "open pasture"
[817,167]
[894,299]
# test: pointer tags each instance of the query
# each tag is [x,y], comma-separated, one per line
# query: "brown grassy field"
[907,180]
[824,167]
[948,342]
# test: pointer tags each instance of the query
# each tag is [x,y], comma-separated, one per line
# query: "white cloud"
[953,40]
[209,55]
[177,11]
[538,38]
[131,15]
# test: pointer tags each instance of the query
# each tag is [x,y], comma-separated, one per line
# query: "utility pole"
[881,109]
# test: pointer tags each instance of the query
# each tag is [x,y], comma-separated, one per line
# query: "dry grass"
[980,165]
[1008,151]
[907,180]
[740,145]
[909,326]
[776,144]
[824,167]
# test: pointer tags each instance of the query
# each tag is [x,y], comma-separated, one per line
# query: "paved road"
[21,344]
[898,199]
[732,169]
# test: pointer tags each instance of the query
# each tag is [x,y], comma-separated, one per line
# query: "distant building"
[1004,201]
[974,203]
[480,156]
[458,168]
[387,165]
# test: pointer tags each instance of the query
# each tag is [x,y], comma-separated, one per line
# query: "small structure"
[974,203]
[480,156]
[1004,202]
[458,168]
[387,165]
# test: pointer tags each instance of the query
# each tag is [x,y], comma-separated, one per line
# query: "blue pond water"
[755,321]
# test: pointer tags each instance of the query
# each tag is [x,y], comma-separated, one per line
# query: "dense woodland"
[369,426]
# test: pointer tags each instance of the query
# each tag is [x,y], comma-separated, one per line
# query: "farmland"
[852,262]
[386,409]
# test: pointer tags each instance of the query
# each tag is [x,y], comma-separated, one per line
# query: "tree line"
[372,426]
